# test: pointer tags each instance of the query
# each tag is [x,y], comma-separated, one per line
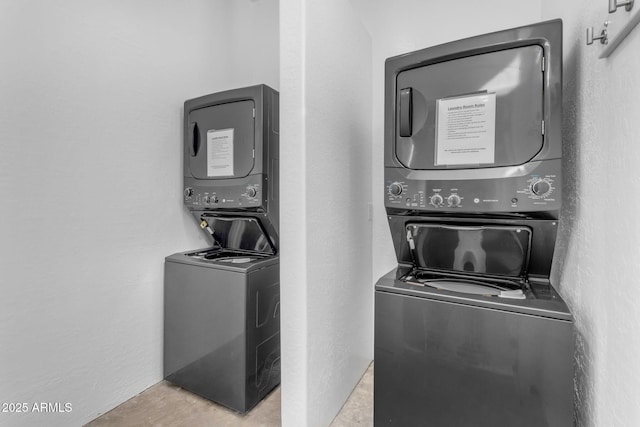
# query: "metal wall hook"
[614,5]
[602,37]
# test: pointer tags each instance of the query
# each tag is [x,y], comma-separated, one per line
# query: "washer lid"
[238,233]
[494,250]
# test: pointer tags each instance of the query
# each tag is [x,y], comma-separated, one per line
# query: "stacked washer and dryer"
[469,330]
[221,303]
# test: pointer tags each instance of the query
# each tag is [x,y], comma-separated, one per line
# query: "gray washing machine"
[469,328]
[222,303]
[464,336]
[222,317]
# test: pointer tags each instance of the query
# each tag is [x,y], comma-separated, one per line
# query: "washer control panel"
[245,194]
[537,189]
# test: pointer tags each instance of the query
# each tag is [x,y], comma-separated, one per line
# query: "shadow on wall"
[583,396]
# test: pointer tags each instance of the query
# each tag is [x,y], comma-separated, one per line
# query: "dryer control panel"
[231,151]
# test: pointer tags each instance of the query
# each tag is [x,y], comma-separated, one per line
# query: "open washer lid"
[238,233]
[482,250]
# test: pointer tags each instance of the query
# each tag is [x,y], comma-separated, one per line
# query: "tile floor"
[167,405]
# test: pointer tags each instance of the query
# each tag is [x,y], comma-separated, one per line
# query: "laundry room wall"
[327,318]
[598,249]
[91,97]
[403,26]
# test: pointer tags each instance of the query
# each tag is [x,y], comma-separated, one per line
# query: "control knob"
[453,200]
[436,200]
[395,189]
[206,199]
[188,193]
[541,187]
[251,192]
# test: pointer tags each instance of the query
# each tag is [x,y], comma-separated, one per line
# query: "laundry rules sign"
[466,130]
[220,152]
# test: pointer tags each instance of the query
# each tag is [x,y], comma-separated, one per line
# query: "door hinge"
[543,129]
[412,244]
[254,113]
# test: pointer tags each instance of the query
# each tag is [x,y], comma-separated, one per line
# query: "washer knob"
[436,200]
[395,189]
[188,193]
[541,187]
[206,199]
[251,192]
[453,200]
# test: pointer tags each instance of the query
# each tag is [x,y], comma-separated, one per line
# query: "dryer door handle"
[406,112]
[194,136]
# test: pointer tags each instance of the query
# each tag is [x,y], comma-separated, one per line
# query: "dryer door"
[477,111]
[220,140]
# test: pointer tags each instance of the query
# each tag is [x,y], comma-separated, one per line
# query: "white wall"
[327,320]
[91,97]
[247,46]
[600,232]
[403,26]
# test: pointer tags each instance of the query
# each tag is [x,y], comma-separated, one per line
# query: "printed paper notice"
[466,130]
[220,152]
